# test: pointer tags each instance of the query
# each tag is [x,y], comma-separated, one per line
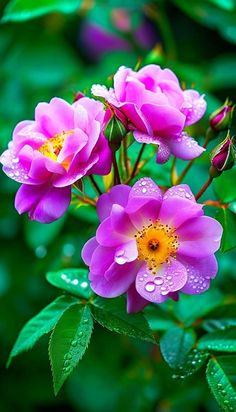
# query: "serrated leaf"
[191,307]
[40,324]
[221,373]
[228,221]
[21,10]
[193,362]
[175,345]
[112,314]
[211,325]
[221,341]
[68,342]
[74,281]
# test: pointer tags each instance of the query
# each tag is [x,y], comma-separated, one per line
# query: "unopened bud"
[223,156]
[115,131]
[221,118]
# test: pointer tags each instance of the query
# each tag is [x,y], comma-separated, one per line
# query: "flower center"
[52,147]
[156,244]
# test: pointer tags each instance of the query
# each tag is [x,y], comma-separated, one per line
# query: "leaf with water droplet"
[211,325]
[112,314]
[175,345]
[221,341]
[194,360]
[67,339]
[74,281]
[221,377]
[41,324]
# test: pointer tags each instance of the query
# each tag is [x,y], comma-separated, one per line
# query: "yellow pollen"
[156,244]
[52,147]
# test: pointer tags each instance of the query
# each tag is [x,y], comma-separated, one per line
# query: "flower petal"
[199,237]
[200,271]
[126,253]
[175,211]
[43,203]
[179,191]
[118,195]
[193,107]
[116,281]
[155,288]
[185,147]
[88,250]
[135,302]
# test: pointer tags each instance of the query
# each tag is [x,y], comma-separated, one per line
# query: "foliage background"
[46,53]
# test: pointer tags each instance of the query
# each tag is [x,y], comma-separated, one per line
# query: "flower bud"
[115,130]
[77,96]
[221,118]
[223,156]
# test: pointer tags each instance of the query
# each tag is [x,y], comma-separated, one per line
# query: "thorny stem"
[137,163]
[204,188]
[116,170]
[95,185]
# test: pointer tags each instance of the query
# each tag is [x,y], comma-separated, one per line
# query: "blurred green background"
[56,48]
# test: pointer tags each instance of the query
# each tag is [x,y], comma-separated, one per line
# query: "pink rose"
[157,109]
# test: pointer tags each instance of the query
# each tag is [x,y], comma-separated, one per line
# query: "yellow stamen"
[156,244]
[52,147]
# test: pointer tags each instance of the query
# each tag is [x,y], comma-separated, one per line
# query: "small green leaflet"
[228,221]
[221,377]
[175,345]
[40,324]
[68,342]
[211,325]
[74,281]
[221,341]
[193,362]
[111,313]
[21,10]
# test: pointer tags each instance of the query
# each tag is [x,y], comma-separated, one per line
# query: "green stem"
[204,188]
[116,169]
[95,185]
[137,162]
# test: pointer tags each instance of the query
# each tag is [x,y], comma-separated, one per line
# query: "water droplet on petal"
[150,287]
[158,281]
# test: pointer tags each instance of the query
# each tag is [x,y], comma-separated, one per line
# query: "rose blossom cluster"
[149,244]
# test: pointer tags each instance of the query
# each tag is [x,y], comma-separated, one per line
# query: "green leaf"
[158,319]
[40,324]
[38,235]
[228,221]
[68,342]
[211,325]
[74,281]
[224,186]
[112,314]
[221,377]
[175,344]
[221,341]
[193,362]
[191,307]
[21,10]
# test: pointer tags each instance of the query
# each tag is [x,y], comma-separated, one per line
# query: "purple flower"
[157,109]
[64,143]
[151,245]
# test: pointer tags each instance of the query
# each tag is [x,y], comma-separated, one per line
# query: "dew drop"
[84,285]
[75,282]
[150,287]
[144,190]
[158,281]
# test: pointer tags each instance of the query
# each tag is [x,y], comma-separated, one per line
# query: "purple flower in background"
[64,143]
[157,109]
[151,245]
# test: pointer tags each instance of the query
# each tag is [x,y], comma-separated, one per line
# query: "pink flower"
[151,245]
[157,109]
[64,143]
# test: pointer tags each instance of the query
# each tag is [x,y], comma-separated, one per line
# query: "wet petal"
[185,147]
[169,278]
[128,252]
[193,107]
